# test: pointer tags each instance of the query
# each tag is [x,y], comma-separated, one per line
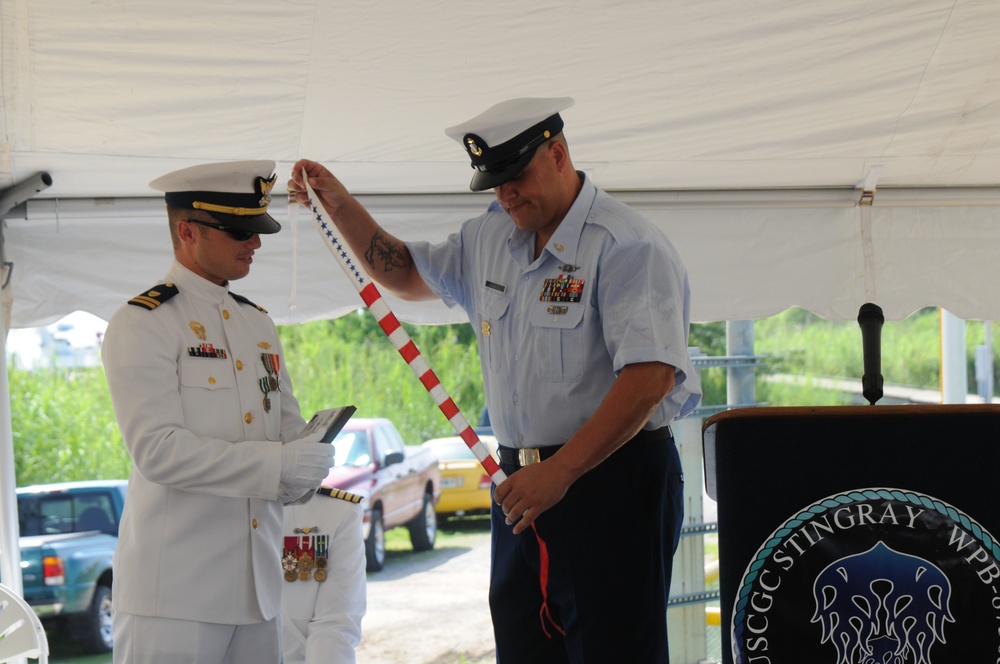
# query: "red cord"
[545,613]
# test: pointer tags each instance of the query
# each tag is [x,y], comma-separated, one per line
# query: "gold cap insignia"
[265,187]
[474,149]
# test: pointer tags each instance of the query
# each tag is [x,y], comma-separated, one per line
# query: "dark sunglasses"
[238,234]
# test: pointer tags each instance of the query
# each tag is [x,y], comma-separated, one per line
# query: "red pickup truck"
[399,484]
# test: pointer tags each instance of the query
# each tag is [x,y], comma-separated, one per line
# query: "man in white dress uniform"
[323,565]
[205,406]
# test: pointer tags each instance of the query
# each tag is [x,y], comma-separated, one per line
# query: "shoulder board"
[243,300]
[155,296]
[340,493]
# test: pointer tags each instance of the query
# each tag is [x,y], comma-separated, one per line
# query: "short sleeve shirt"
[608,290]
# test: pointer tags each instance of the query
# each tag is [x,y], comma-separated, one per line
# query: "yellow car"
[465,486]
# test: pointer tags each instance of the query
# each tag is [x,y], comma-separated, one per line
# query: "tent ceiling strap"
[869,185]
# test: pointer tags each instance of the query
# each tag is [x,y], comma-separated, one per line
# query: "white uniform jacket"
[189,369]
[321,620]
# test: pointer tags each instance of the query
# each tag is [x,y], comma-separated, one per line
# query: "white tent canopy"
[748,131]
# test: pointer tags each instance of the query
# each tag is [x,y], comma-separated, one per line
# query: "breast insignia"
[155,296]
[243,300]
[340,493]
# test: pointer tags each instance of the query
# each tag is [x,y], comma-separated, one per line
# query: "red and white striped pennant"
[399,337]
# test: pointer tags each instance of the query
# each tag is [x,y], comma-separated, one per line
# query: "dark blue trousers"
[610,543]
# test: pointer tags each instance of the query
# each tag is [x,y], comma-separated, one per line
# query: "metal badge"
[556,310]
[264,187]
[198,329]
[486,328]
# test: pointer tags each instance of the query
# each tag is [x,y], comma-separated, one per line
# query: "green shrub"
[64,428]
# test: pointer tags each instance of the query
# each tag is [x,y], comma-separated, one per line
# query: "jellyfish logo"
[882,607]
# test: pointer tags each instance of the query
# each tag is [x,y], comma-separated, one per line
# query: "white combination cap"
[236,193]
[502,140]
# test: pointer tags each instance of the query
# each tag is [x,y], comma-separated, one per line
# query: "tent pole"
[10,550]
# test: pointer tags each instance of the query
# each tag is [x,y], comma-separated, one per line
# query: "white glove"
[304,465]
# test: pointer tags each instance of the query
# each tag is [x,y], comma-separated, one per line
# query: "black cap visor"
[261,223]
[488,179]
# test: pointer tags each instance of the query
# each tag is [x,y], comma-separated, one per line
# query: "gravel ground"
[430,608]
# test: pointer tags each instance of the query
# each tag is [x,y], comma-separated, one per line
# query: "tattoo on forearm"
[387,253]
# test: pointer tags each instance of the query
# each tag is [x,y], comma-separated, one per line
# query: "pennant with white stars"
[399,337]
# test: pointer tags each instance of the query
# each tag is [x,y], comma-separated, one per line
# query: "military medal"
[272,362]
[305,567]
[305,555]
[288,561]
[265,387]
[321,560]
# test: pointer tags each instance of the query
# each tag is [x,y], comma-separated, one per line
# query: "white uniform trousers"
[150,640]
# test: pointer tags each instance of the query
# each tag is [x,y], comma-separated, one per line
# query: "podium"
[857,534]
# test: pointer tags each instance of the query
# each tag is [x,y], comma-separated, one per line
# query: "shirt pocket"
[557,338]
[492,310]
[209,397]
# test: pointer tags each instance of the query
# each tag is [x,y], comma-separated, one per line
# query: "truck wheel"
[423,528]
[375,544]
[97,630]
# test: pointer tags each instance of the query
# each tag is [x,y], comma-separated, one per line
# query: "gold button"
[211,380]
[248,417]
[239,365]
[225,314]
[255,524]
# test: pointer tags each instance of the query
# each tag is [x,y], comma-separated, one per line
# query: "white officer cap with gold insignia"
[502,140]
[236,193]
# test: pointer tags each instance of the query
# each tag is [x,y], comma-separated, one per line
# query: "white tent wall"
[749,254]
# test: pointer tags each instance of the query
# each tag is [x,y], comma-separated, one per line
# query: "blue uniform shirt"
[608,290]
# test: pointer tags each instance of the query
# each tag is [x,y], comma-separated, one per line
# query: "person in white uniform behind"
[323,564]
[205,406]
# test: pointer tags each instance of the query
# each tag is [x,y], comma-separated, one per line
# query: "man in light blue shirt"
[581,308]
